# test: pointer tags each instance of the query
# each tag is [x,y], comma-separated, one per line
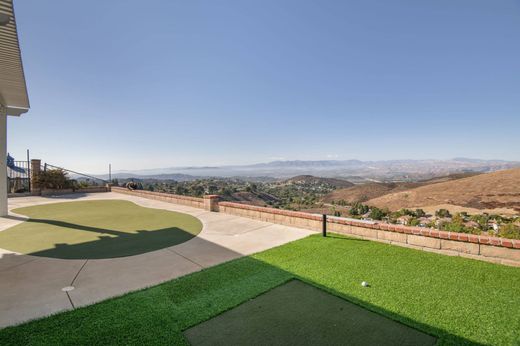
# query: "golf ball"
[364,284]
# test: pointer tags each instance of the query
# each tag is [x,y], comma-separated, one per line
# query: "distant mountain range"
[356,171]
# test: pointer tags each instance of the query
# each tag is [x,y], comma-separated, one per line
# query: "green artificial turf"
[97,229]
[296,313]
[457,300]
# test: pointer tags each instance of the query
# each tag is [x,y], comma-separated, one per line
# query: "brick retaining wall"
[491,249]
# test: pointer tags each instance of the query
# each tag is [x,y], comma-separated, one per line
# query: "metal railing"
[18,176]
[79,179]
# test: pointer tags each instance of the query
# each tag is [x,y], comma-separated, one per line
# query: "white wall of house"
[3,161]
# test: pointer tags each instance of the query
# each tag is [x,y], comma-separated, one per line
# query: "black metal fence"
[18,176]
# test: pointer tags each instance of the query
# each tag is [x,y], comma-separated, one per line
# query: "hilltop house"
[494,225]
[404,220]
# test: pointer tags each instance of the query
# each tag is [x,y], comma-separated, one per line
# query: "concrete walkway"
[32,287]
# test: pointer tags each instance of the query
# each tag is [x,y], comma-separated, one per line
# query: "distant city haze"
[355,171]
[205,83]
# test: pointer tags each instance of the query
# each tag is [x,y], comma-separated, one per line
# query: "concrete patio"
[32,287]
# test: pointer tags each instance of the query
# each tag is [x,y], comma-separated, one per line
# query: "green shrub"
[377,214]
[53,179]
[414,222]
[443,213]
[510,231]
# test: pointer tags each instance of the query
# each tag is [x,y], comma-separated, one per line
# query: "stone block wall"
[491,249]
[165,197]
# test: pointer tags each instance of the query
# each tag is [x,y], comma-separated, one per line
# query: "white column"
[3,161]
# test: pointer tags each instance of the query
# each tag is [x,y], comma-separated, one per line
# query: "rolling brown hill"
[365,192]
[489,191]
[368,191]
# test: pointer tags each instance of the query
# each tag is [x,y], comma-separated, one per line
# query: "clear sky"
[172,83]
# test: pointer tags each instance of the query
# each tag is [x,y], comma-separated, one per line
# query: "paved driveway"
[32,287]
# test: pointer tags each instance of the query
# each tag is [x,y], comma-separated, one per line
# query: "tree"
[212,189]
[420,213]
[198,190]
[414,222]
[53,179]
[359,209]
[443,213]
[377,214]
[180,190]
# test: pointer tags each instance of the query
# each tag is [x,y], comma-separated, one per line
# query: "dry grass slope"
[485,191]
[365,192]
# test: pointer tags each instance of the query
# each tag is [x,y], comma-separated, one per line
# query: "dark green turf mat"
[300,314]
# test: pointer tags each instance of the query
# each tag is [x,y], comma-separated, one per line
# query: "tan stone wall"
[165,197]
[278,216]
[211,202]
[491,249]
[92,189]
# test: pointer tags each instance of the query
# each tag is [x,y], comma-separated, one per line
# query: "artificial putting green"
[97,229]
[297,313]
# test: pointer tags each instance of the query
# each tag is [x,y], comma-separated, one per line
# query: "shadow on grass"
[160,314]
[111,243]
[338,236]
[74,195]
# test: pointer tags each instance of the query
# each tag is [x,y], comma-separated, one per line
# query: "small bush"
[509,231]
[53,179]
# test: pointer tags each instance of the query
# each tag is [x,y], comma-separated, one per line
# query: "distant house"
[494,225]
[441,221]
[472,224]
[404,220]
[424,221]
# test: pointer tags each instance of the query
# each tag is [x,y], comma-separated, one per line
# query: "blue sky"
[173,83]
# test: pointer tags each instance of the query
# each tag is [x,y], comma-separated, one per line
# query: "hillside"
[485,191]
[312,180]
[365,192]
[260,199]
